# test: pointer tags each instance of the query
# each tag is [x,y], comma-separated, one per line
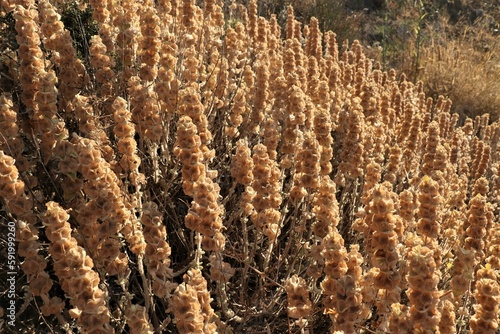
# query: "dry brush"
[198,171]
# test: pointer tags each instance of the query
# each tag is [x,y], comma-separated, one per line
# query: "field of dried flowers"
[199,170]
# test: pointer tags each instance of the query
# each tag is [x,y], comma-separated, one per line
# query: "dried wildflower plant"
[196,171]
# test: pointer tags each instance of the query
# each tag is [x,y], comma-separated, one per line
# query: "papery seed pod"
[313,76]
[252,19]
[456,140]
[102,15]
[194,279]
[242,172]
[289,66]
[191,106]
[187,310]
[48,127]
[372,177]
[272,136]
[383,237]
[295,120]
[10,139]
[187,149]
[493,244]
[220,271]
[137,320]
[242,164]
[205,214]
[475,228]
[238,113]
[145,110]
[393,169]
[290,19]
[481,186]
[261,96]
[443,120]
[55,306]
[88,123]
[98,175]
[411,150]
[127,146]
[322,130]
[8,121]
[325,208]
[352,150]
[331,45]
[314,40]
[307,168]
[12,193]
[344,299]
[56,38]
[481,162]
[167,85]
[126,21]
[381,229]
[487,301]
[299,304]
[335,257]
[188,15]
[407,207]
[423,278]
[447,322]
[74,269]
[103,66]
[462,271]
[399,320]
[429,210]
[30,54]
[274,37]
[149,44]
[430,148]
[266,184]
[261,37]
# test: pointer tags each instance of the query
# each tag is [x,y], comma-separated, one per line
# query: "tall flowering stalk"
[74,269]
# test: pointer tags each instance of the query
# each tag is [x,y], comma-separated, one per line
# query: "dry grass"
[466,69]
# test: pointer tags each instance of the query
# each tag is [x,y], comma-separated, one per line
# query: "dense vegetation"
[174,167]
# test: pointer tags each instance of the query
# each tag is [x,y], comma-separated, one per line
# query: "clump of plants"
[185,175]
